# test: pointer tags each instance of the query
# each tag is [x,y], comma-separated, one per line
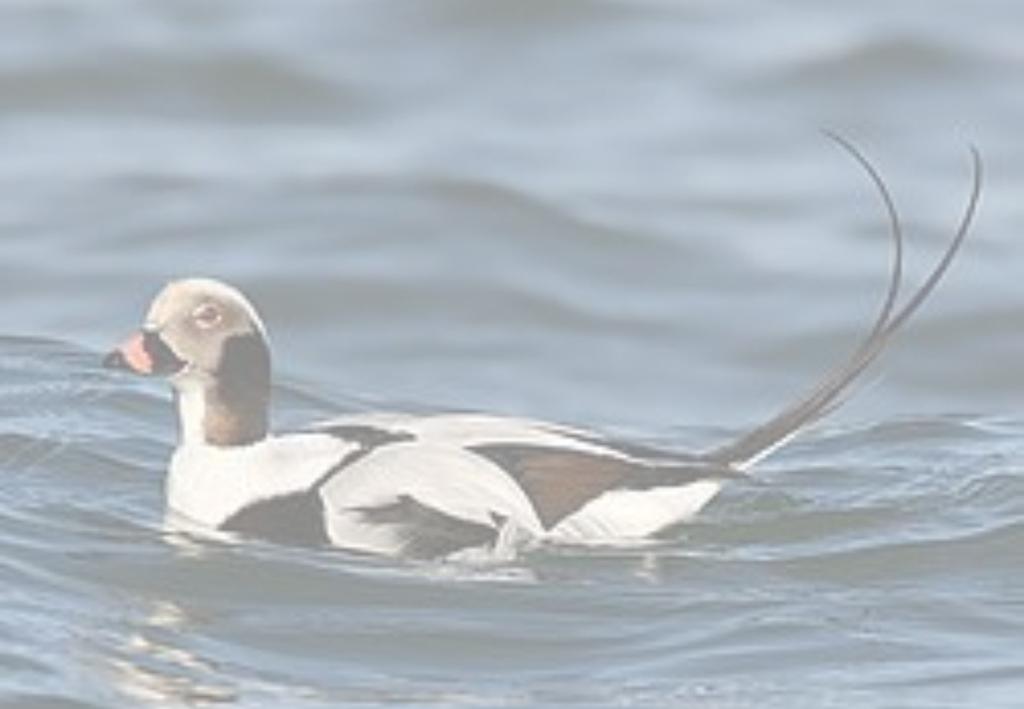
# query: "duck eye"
[207,316]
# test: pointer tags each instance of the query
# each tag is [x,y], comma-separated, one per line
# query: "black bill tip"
[115,360]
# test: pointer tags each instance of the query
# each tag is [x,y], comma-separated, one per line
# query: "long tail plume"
[764,439]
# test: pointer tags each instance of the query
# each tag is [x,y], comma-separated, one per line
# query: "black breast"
[296,519]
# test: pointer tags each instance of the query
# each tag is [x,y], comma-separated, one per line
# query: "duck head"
[207,339]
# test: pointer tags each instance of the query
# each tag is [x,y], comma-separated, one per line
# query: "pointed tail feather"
[766,438]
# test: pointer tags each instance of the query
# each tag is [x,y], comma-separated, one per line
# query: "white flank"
[444,478]
[634,514]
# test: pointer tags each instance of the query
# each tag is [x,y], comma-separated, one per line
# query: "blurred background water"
[615,214]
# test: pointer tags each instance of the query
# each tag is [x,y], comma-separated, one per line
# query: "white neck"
[209,418]
[191,400]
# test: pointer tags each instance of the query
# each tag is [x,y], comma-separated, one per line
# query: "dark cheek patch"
[244,367]
[236,405]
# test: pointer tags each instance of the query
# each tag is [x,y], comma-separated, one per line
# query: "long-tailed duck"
[429,486]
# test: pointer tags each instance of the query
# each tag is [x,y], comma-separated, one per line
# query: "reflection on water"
[149,669]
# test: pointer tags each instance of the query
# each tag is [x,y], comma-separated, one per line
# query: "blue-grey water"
[619,215]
